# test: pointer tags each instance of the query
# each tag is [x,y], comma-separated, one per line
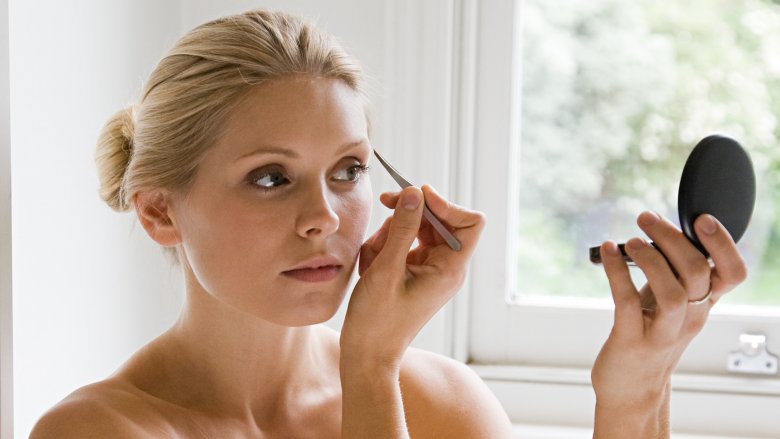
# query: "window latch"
[752,357]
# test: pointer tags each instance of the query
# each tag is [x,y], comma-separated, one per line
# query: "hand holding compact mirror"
[717,179]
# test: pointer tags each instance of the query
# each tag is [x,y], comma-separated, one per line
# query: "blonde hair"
[159,142]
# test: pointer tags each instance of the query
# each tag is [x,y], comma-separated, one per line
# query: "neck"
[217,357]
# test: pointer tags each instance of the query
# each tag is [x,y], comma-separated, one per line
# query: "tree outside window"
[615,96]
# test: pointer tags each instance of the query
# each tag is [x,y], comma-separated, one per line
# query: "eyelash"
[360,169]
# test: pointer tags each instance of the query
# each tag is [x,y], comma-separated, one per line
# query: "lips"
[321,274]
[319,269]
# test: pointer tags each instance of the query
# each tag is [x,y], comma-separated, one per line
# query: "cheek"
[226,236]
[234,225]
[355,214]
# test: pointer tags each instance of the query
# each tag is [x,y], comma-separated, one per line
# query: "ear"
[154,213]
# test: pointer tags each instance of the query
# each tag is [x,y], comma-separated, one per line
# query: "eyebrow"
[270,149]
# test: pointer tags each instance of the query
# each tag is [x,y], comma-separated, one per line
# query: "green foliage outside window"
[615,96]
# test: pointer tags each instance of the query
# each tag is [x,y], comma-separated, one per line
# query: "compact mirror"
[717,179]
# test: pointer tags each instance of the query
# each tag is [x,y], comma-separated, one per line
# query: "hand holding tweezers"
[451,240]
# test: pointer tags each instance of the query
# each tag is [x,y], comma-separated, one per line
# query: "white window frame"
[537,354]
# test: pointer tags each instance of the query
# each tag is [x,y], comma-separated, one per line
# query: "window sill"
[702,406]
[524,431]
[731,384]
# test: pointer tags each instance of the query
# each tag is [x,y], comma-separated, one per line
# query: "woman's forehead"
[295,113]
[299,99]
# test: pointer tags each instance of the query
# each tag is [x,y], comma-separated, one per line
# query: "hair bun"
[112,156]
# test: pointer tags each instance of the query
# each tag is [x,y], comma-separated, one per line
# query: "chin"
[304,319]
[320,309]
[313,308]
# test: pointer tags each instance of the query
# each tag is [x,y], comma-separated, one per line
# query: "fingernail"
[636,243]
[648,218]
[707,225]
[411,200]
[612,248]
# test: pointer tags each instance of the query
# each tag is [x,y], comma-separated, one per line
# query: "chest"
[322,422]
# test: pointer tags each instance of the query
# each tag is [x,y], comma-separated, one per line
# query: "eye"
[268,178]
[352,173]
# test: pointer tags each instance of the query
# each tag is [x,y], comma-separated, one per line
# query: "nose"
[317,218]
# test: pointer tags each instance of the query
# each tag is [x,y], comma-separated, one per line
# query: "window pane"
[615,96]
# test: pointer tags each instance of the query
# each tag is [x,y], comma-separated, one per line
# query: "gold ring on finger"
[703,299]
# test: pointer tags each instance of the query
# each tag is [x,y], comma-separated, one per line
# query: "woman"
[246,160]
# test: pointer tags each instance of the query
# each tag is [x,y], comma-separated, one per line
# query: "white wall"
[89,287]
[6,321]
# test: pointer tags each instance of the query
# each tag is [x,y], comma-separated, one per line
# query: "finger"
[389,199]
[647,299]
[418,255]
[427,236]
[463,223]
[378,239]
[372,246]
[403,227]
[628,313]
[366,257]
[685,259]
[452,215]
[670,295]
[729,266]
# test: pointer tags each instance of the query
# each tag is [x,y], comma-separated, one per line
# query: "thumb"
[404,227]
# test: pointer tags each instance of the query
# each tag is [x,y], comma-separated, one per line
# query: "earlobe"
[154,213]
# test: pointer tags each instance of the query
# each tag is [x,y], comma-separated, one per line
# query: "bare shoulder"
[104,409]
[445,398]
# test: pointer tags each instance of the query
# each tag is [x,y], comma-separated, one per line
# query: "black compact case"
[717,179]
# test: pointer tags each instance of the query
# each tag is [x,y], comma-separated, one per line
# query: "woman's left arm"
[399,290]
[653,326]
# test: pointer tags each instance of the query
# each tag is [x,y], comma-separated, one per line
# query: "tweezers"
[451,240]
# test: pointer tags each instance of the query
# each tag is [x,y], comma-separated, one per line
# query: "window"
[614,96]
[585,113]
